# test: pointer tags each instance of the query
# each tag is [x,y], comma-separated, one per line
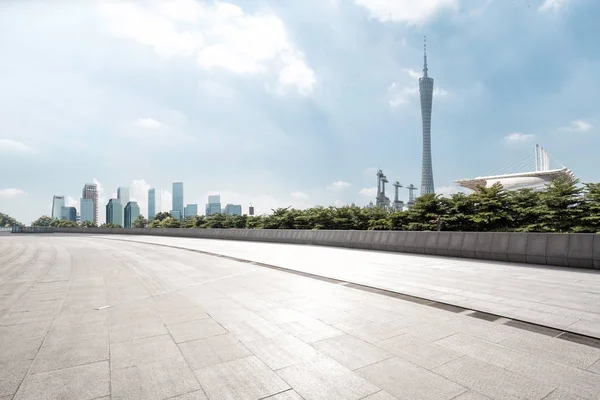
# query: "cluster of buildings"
[123,211]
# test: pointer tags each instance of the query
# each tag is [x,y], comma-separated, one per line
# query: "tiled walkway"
[88,318]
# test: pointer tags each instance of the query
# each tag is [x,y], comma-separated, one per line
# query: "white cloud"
[9,146]
[220,35]
[149,123]
[578,126]
[553,5]
[517,137]
[299,195]
[139,193]
[412,73]
[368,192]
[338,185]
[166,201]
[398,96]
[439,92]
[10,193]
[405,11]
[447,191]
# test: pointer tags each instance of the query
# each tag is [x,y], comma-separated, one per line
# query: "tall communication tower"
[426,91]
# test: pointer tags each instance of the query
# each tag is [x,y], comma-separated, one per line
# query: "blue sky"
[286,103]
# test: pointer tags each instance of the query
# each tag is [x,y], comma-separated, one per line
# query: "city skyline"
[305,117]
[426,97]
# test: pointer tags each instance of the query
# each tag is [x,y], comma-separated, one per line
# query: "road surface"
[86,317]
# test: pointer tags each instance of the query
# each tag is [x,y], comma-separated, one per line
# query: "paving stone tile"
[136,330]
[571,379]
[154,381]
[381,395]
[351,352]
[81,317]
[595,367]
[73,333]
[559,394]
[213,350]
[406,380]
[366,330]
[128,314]
[63,355]
[253,329]
[26,317]
[323,378]
[471,395]
[11,376]
[282,351]
[84,382]
[195,395]
[246,378]
[493,381]
[281,315]
[421,352]
[562,351]
[196,329]
[427,330]
[287,395]
[376,314]
[19,350]
[311,330]
[182,315]
[142,351]
[14,333]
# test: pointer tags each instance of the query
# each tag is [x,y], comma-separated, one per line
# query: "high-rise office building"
[90,191]
[251,210]
[132,211]
[57,203]
[86,210]
[68,213]
[177,199]
[151,204]
[214,205]
[191,210]
[114,212]
[176,214]
[233,209]
[426,91]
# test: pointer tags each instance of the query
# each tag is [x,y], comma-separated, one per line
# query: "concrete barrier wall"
[577,250]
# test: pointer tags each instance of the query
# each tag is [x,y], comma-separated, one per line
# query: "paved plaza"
[85,317]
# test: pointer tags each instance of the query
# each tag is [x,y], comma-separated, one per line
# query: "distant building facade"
[176,214]
[90,191]
[191,210]
[86,210]
[57,203]
[114,212]
[68,213]
[132,211]
[251,210]
[233,209]
[214,205]
[151,204]
[178,199]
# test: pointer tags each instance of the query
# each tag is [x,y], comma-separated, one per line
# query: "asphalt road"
[96,318]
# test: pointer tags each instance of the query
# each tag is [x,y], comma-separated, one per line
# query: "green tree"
[110,225]
[459,209]
[161,216]
[525,208]
[561,210]
[425,213]
[591,204]
[8,221]
[490,208]
[88,224]
[61,223]
[44,220]
[140,222]
[170,222]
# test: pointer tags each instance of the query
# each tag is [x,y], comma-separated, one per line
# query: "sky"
[287,103]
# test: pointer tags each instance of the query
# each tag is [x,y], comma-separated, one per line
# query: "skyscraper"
[233,209]
[178,199]
[86,210]
[57,203]
[132,211]
[426,90]
[68,213]
[151,204]
[114,212]
[191,210]
[214,205]
[90,191]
